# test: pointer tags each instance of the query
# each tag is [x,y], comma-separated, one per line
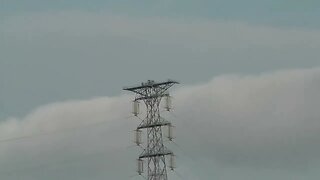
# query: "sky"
[246,107]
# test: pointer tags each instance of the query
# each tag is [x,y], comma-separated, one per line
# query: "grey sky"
[47,57]
[247,107]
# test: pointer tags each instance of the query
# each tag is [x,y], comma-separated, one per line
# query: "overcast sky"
[249,74]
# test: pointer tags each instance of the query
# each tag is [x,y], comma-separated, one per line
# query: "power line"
[65,130]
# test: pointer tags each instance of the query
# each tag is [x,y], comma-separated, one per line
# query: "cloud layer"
[246,126]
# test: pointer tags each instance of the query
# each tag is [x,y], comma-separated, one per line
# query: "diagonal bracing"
[155,152]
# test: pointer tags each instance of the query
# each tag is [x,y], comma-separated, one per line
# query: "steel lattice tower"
[154,152]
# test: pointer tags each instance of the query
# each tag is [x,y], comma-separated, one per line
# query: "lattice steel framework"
[155,152]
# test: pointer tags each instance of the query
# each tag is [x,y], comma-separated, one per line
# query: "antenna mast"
[154,152]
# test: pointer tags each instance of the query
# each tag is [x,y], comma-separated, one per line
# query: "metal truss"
[151,93]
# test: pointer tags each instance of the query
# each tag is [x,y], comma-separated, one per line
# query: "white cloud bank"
[235,126]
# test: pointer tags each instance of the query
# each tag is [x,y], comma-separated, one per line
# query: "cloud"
[243,126]
[269,120]
[57,136]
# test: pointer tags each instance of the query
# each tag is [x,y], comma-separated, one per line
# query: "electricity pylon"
[154,152]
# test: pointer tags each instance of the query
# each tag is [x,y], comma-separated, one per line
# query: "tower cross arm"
[148,155]
[150,84]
